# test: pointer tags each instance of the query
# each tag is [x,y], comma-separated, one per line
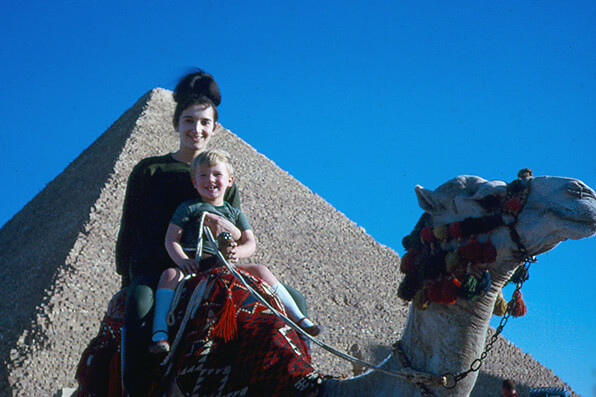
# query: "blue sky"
[360,101]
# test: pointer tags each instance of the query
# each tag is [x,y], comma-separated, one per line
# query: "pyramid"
[59,250]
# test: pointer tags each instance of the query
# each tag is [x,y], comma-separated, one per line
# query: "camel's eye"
[492,202]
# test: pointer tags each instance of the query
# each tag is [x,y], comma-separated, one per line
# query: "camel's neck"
[444,339]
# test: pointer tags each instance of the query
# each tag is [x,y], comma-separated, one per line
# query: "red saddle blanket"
[230,344]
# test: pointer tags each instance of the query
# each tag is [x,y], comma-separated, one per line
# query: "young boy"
[211,173]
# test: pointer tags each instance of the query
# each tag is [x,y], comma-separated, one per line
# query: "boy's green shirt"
[156,187]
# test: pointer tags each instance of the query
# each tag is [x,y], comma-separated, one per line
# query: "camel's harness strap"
[522,188]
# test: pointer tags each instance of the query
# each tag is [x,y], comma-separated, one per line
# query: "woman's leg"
[136,334]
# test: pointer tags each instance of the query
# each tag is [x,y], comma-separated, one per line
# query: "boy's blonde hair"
[210,158]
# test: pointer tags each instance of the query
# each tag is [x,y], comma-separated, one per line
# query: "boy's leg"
[136,335]
[298,298]
[294,313]
[286,299]
[163,301]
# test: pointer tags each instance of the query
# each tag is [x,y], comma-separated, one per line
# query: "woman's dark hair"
[196,88]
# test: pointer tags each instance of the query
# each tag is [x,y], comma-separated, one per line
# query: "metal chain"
[452,379]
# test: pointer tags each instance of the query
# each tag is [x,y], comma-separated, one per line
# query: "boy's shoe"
[159,347]
[313,330]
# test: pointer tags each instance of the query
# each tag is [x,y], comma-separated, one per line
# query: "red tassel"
[433,292]
[114,384]
[449,290]
[408,262]
[471,252]
[226,327]
[427,235]
[513,205]
[455,230]
[489,252]
[518,308]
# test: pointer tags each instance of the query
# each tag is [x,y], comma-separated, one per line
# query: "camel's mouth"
[584,222]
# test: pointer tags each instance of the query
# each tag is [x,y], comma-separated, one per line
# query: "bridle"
[506,214]
[517,193]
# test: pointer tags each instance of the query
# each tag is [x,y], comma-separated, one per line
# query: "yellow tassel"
[421,301]
[500,306]
[441,232]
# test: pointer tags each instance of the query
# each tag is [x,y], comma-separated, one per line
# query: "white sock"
[290,305]
[163,301]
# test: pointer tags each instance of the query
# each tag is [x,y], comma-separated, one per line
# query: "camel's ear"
[429,201]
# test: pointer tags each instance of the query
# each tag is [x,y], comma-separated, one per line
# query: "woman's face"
[196,127]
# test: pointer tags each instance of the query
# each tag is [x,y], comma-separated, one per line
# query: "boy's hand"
[231,253]
[189,266]
[227,246]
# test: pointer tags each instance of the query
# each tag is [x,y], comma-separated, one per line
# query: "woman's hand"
[189,266]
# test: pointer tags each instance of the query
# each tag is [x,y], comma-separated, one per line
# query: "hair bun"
[197,84]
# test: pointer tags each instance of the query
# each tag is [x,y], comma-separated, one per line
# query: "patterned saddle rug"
[229,344]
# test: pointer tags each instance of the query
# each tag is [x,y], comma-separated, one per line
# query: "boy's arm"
[176,252]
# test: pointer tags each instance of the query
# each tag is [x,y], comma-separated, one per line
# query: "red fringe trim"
[226,327]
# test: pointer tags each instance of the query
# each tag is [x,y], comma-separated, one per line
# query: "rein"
[408,374]
[517,193]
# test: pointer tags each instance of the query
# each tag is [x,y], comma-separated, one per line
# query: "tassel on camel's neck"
[226,327]
[518,307]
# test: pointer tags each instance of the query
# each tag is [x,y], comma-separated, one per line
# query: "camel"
[447,338]
[445,333]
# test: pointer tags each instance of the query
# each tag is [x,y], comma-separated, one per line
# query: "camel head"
[472,226]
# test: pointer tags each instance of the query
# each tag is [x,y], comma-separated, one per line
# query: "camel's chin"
[547,247]
[580,230]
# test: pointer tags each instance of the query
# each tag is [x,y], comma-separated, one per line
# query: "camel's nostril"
[578,189]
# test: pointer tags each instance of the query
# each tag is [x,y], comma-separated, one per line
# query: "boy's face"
[212,181]
[196,127]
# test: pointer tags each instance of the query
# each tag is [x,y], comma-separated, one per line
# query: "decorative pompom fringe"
[226,327]
[421,300]
[517,306]
[500,308]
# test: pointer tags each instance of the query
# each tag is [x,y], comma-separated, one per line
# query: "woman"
[156,186]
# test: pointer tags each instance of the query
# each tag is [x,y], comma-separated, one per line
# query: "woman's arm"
[176,252]
[127,244]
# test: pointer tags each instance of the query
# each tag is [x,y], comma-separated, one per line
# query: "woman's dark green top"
[156,186]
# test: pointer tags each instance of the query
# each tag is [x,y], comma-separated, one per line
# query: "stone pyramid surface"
[59,251]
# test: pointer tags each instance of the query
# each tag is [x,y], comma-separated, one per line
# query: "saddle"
[224,342]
